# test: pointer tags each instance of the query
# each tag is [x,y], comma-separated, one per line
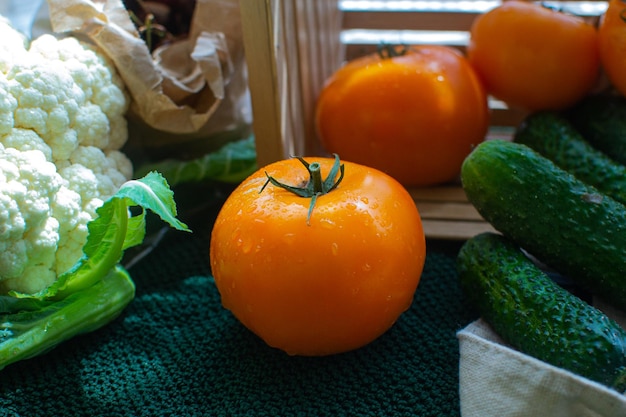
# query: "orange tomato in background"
[413,115]
[532,57]
[323,282]
[612,44]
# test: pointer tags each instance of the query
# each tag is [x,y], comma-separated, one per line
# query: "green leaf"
[152,192]
[37,326]
[136,230]
[232,163]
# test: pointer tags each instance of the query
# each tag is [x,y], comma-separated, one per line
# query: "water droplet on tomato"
[327,224]
[289,238]
[246,246]
[334,249]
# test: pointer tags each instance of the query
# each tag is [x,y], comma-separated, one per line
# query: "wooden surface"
[446,213]
[258,22]
[291,47]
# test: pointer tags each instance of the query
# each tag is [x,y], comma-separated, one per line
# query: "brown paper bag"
[188,89]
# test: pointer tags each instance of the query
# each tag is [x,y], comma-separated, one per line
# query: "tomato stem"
[386,51]
[315,186]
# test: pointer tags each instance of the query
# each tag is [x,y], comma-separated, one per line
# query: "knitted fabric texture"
[176,351]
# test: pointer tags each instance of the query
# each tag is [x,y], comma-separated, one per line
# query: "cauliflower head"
[62,125]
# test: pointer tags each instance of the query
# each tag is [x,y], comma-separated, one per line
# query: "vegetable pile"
[96,289]
[69,207]
[74,191]
[416,111]
[556,194]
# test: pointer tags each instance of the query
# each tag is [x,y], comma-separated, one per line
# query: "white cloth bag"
[496,380]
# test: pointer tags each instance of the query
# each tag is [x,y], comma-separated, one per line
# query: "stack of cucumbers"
[557,192]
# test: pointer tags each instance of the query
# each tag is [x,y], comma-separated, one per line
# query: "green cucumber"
[601,119]
[553,136]
[538,317]
[564,222]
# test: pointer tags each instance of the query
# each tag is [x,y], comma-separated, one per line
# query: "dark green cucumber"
[564,222]
[601,119]
[553,136]
[536,316]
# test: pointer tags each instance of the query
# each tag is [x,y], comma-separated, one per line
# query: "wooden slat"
[447,211]
[258,23]
[505,116]
[354,51]
[291,46]
[447,214]
[454,230]
[452,193]
[428,20]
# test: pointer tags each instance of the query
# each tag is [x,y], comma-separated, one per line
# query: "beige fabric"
[498,381]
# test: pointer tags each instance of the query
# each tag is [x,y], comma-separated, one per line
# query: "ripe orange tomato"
[612,44]
[414,114]
[324,278]
[532,57]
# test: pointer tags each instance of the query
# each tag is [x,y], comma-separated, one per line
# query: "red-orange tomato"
[612,44]
[414,116]
[321,285]
[533,57]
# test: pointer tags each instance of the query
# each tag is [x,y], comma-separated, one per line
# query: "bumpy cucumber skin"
[601,119]
[554,137]
[536,316]
[562,221]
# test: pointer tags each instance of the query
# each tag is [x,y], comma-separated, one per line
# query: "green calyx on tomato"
[314,187]
[386,51]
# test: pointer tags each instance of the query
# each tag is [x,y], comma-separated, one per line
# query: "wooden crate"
[292,46]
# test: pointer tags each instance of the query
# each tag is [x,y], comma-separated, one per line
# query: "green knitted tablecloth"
[175,351]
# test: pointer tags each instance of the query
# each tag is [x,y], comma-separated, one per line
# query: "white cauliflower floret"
[29,234]
[121,162]
[13,44]
[26,140]
[8,104]
[62,124]
[73,233]
[106,170]
[92,73]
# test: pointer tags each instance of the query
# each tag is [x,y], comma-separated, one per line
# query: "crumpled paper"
[187,89]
